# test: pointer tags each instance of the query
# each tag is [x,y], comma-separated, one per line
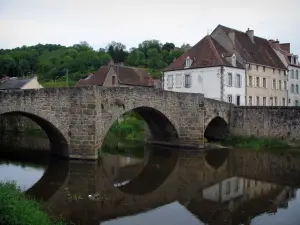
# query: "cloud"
[130,22]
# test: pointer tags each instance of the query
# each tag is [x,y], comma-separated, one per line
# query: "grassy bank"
[254,142]
[17,209]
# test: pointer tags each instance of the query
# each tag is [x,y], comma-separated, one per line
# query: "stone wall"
[260,121]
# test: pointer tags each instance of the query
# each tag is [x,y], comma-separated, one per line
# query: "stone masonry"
[76,120]
[271,122]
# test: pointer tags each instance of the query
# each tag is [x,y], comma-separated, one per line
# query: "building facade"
[292,63]
[209,69]
[266,75]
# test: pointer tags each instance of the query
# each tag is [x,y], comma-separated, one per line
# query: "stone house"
[291,62]
[19,83]
[113,75]
[266,74]
[210,69]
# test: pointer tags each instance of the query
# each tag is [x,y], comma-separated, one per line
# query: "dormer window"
[188,62]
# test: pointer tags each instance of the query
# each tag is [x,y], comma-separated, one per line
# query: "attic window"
[233,60]
[188,62]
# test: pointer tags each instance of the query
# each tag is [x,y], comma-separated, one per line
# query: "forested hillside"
[52,62]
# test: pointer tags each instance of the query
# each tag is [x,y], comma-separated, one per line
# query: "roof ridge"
[239,31]
[216,51]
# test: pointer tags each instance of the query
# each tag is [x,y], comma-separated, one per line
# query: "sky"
[130,22]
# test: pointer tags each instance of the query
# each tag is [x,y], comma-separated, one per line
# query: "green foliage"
[254,142]
[52,63]
[17,209]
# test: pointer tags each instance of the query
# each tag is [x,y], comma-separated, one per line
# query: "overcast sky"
[66,22]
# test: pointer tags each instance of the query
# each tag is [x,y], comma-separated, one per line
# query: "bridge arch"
[216,129]
[57,135]
[161,127]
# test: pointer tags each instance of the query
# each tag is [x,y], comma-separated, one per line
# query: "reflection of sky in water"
[289,216]
[171,214]
[24,176]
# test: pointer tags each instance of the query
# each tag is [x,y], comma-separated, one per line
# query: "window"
[296,102]
[178,80]
[297,75]
[264,101]
[170,81]
[292,74]
[285,86]
[283,101]
[264,83]
[227,187]
[257,100]
[257,81]
[279,85]
[257,68]
[229,98]
[264,69]
[113,80]
[250,81]
[250,100]
[292,88]
[279,71]
[271,101]
[187,80]
[237,184]
[188,62]
[275,101]
[289,100]
[238,100]
[229,77]
[273,70]
[238,81]
[274,84]
[297,89]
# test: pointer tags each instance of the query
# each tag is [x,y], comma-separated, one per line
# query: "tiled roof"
[94,79]
[13,83]
[206,53]
[126,75]
[257,52]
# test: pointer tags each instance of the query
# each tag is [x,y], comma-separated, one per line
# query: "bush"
[17,209]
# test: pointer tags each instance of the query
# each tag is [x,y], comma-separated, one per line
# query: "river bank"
[17,209]
[257,143]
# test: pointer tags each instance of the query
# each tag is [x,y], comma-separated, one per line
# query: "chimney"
[286,47]
[231,35]
[250,34]
[274,44]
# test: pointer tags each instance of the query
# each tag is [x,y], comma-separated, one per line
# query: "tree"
[117,51]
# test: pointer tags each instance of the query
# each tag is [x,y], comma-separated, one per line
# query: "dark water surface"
[155,185]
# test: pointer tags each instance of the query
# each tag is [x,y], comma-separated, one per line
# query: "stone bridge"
[76,120]
[184,178]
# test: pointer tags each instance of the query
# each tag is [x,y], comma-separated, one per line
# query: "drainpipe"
[246,78]
[222,83]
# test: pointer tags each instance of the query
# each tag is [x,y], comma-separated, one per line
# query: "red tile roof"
[206,53]
[125,75]
[257,52]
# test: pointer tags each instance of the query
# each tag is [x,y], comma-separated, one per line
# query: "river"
[142,185]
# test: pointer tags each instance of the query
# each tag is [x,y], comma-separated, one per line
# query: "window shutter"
[254,82]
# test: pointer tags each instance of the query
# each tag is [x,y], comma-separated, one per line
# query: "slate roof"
[13,83]
[257,52]
[206,53]
[126,75]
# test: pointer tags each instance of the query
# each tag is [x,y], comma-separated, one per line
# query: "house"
[113,75]
[210,69]
[19,83]
[266,74]
[291,62]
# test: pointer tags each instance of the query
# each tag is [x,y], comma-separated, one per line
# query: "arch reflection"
[140,176]
[215,158]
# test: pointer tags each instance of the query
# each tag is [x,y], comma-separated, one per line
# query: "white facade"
[294,86]
[209,81]
[225,191]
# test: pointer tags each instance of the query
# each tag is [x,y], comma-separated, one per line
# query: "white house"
[209,69]
[291,62]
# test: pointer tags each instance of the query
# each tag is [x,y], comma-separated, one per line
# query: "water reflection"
[166,186]
[24,174]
